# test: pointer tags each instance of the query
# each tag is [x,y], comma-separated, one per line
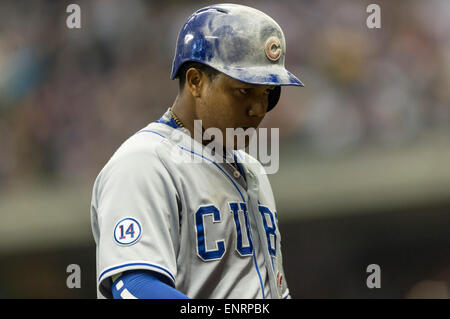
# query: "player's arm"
[142,284]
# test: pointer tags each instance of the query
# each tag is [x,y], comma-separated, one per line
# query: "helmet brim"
[263,75]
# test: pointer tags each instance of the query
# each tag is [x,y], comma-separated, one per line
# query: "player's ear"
[195,80]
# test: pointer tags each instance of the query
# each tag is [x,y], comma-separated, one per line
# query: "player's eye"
[244,91]
[267,92]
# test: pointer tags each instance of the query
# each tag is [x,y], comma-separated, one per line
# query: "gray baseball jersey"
[210,229]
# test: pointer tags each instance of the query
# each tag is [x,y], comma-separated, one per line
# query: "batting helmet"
[239,41]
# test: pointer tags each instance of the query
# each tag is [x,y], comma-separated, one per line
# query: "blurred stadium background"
[365,152]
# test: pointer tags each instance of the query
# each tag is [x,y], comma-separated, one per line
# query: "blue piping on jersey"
[231,180]
[137,264]
[150,132]
[171,122]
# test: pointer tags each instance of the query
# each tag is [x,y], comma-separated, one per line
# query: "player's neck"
[184,110]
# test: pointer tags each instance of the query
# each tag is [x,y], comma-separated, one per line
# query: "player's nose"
[258,107]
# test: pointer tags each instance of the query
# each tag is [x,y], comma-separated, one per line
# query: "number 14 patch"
[127,231]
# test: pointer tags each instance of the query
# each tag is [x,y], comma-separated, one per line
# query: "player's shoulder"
[138,158]
[142,150]
[144,143]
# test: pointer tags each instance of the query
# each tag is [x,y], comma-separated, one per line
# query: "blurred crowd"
[70,97]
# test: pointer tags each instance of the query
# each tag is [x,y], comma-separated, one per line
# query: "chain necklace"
[175,118]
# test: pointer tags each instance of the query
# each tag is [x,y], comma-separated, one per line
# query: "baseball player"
[170,228]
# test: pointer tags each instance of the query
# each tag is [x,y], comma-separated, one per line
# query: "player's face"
[229,103]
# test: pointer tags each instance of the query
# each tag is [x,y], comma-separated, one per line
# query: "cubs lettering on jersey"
[212,232]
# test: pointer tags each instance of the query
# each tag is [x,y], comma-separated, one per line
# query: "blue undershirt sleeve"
[143,284]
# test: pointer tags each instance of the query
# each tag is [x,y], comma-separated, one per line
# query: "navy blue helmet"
[241,42]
